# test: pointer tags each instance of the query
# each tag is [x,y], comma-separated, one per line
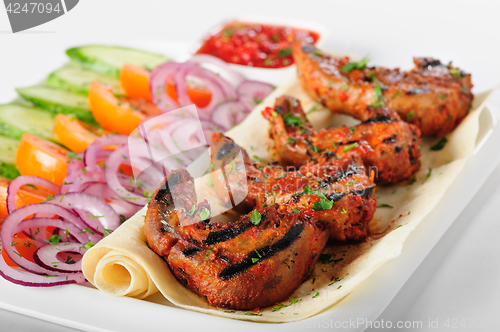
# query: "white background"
[460,277]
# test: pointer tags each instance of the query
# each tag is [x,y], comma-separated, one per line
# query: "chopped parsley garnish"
[385,206]
[412,180]
[441,96]
[70,260]
[71,155]
[295,210]
[343,211]
[257,158]
[455,72]
[252,314]
[193,208]
[318,52]
[88,245]
[428,175]
[397,227]
[50,198]
[355,65]
[339,287]
[323,204]
[396,94]
[54,239]
[147,193]
[410,115]
[380,96]
[285,52]
[279,306]
[316,295]
[255,217]
[255,260]
[86,230]
[440,144]
[204,214]
[209,251]
[334,280]
[350,147]
[106,231]
[292,120]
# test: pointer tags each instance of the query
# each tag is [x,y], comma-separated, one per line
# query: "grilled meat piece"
[241,265]
[387,145]
[433,96]
[336,192]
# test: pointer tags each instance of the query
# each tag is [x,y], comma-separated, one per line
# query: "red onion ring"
[92,204]
[34,280]
[112,165]
[157,80]
[23,180]
[46,256]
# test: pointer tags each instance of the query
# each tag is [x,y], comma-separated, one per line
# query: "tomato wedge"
[39,157]
[109,112]
[73,134]
[135,82]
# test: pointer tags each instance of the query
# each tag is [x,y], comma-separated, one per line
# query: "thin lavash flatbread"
[123,265]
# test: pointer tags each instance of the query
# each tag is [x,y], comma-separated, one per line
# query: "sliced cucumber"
[109,59]
[75,78]
[15,120]
[8,171]
[58,101]
[8,149]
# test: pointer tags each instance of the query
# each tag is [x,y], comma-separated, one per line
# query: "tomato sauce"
[255,44]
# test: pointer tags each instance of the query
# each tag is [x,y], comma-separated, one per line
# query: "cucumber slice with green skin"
[8,149]
[15,120]
[109,59]
[59,101]
[76,79]
[8,171]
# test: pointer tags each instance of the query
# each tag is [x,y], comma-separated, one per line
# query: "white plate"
[88,309]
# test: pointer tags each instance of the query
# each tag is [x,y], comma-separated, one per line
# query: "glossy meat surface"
[239,265]
[342,182]
[434,96]
[386,144]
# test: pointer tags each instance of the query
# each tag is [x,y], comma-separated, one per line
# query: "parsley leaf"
[385,206]
[355,65]
[428,175]
[255,217]
[204,214]
[279,305]
[292,120]
[350,147]
[53,239]
[285,52]
[323,204]
[439,145]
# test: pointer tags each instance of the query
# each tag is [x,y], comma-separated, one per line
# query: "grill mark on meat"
[225,234]
[188,252]
[379,119]
[264,253]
